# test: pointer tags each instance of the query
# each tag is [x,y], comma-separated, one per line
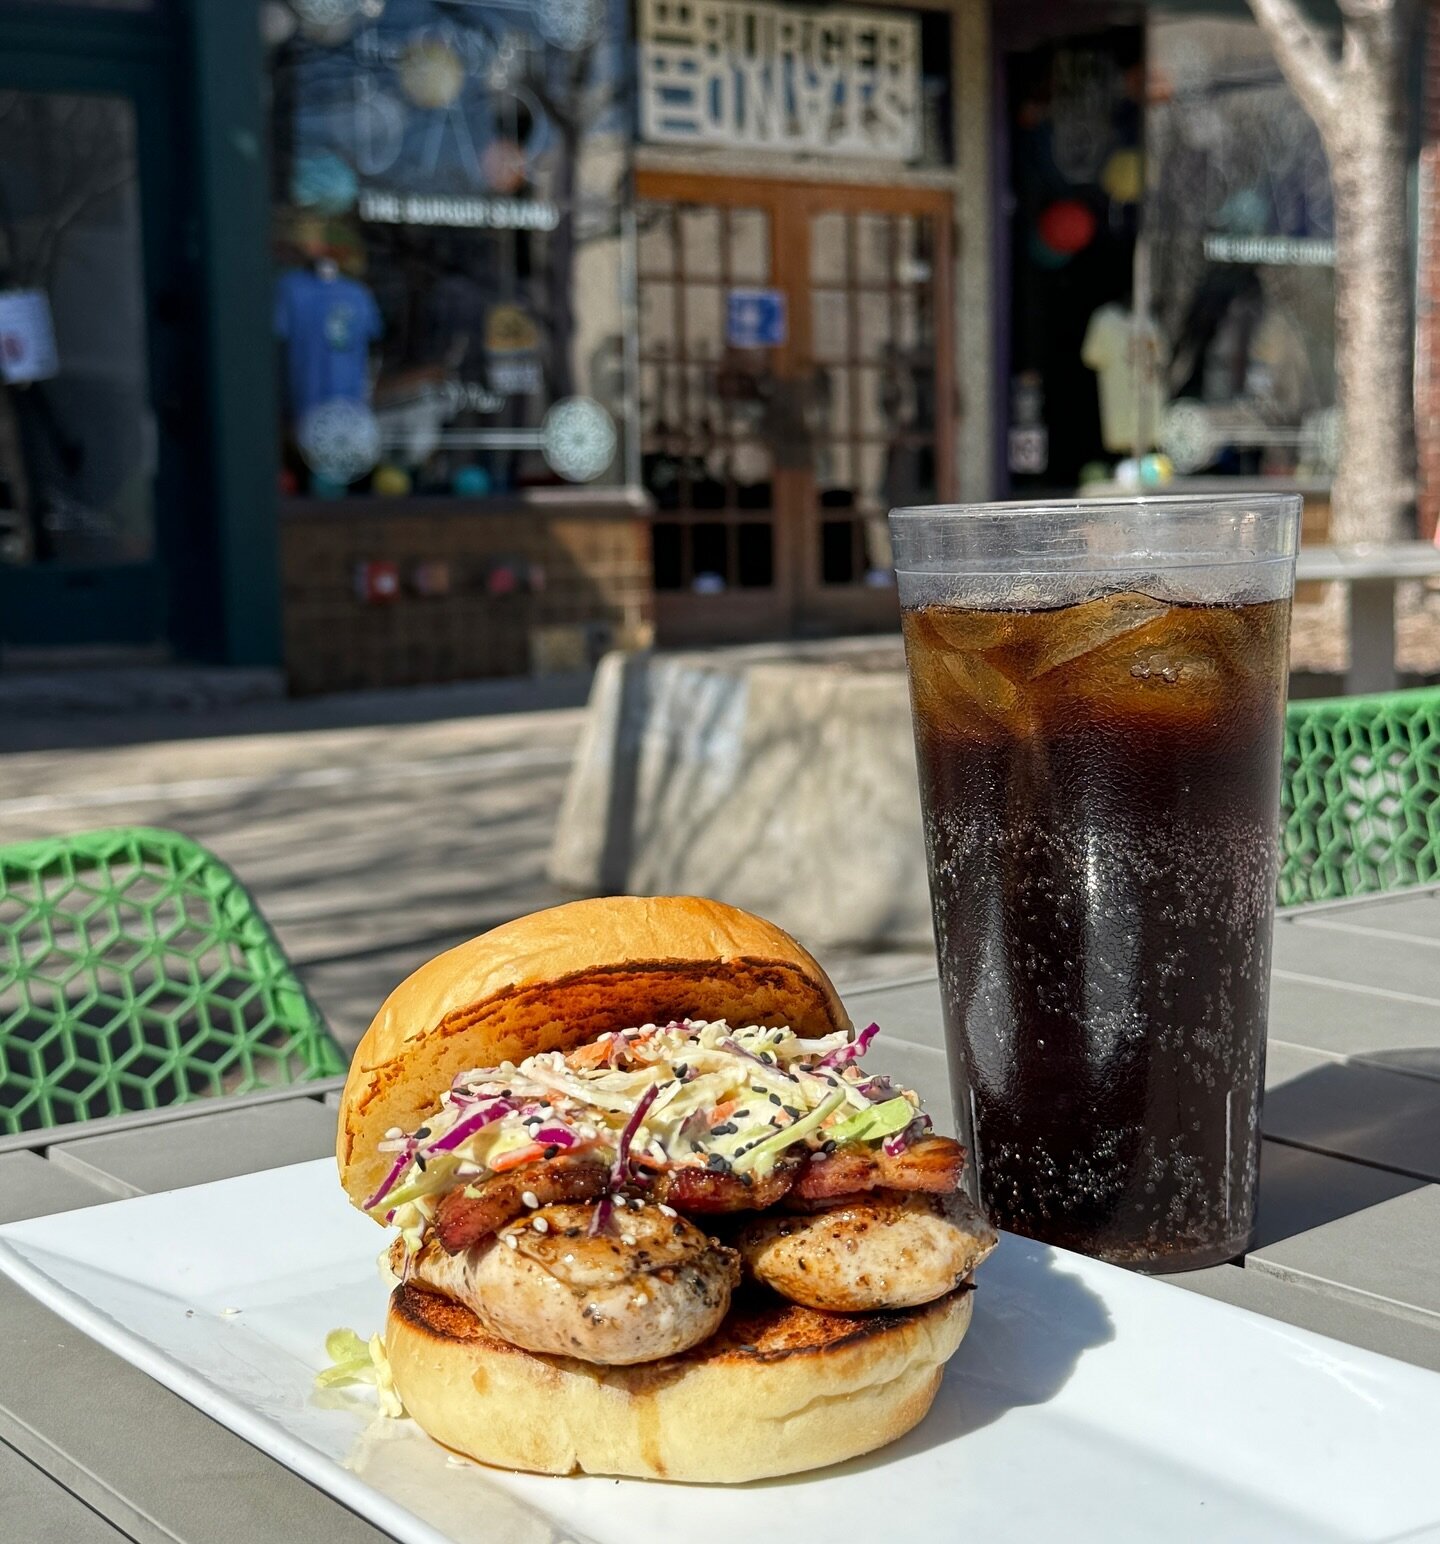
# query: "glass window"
[448,240]
[1240,231]
[1171,256]
[77,439]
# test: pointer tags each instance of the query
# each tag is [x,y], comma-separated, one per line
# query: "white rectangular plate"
[1085,1404]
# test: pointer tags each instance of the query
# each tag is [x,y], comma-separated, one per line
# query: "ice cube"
[1079,630]
[968,632]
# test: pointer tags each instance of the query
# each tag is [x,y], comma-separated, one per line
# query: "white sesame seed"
[512,1241]
[539,1224]
[569,1259]
[668,1211]
[530,1199]
[639,1300]
[628,1239]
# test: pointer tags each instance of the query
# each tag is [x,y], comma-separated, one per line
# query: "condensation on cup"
[1098,694]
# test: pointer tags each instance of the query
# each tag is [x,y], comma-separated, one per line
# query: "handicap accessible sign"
[755,318]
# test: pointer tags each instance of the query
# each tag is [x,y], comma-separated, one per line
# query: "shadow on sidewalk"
[342,710]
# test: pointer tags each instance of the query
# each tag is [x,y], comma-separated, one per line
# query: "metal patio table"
[92,1450]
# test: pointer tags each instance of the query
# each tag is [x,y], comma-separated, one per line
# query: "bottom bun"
[776,1390]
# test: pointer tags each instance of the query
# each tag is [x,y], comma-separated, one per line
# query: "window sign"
[755,318]
[773,77]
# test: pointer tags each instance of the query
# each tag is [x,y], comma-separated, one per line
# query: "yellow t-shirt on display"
[1124,351]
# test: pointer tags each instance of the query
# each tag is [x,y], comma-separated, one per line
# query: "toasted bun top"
[557,979]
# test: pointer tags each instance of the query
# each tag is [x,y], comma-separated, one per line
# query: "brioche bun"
[555,980]
[779,1389]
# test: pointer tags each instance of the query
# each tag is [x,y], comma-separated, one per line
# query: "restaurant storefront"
[578,323]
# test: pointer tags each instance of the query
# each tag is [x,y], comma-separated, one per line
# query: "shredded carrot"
[596,1054]
[723,1111]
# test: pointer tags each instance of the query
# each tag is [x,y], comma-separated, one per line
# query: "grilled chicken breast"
[647,1286]
[882,1250]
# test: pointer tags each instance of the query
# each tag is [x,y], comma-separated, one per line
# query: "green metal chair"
[1361,797]
[136,972]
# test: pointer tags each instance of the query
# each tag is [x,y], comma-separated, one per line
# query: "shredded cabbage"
[689,1093]
[879,1121]
[357,1361]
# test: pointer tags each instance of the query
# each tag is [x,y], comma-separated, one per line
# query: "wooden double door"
[773,465]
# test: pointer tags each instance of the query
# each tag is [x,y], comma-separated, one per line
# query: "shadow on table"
[1347,1136]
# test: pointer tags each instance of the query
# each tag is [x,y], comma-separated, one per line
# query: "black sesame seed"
[553,1148]
[774,1098]
[717,1164]
[422,1133]
[420,1162]
[724,1129]
[791,1111]
[828,1147]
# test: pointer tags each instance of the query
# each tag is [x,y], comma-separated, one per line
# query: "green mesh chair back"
[1361,799]
[135,972]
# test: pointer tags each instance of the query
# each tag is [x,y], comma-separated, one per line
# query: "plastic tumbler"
[1098,691]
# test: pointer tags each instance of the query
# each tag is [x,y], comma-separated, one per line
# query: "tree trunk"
[1374,486]
[1358,103]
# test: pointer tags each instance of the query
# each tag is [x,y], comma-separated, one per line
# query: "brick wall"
[575,578]
[1427,285]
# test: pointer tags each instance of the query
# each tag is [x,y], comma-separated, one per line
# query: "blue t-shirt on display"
[328,326]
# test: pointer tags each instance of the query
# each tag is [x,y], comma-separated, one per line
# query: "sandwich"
[651,1213]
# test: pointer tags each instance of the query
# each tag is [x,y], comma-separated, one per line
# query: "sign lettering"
[762,77]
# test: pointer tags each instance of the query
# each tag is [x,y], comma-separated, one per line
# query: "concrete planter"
[780,778]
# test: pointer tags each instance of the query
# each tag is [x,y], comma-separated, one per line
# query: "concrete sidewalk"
[374,830]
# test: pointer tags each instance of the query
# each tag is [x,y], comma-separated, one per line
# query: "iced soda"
[1101,785]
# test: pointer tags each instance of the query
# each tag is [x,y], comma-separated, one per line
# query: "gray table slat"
[1357,1021]
[1410,915]
[148,1461]
[1317,952]
[219,1145]
[30,1187]
[1389,1251]
[1374,1326]
[37,1511]
[1353,1110]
